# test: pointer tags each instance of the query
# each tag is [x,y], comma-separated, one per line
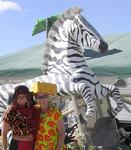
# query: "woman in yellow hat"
[51,132]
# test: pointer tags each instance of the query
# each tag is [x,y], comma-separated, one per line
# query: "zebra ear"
[77,10]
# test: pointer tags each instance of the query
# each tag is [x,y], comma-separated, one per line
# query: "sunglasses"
[41,96]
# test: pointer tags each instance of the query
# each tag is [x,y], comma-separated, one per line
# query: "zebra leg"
[115,94]
[85,91]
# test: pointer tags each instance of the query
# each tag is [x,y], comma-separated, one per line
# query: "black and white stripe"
[65,65]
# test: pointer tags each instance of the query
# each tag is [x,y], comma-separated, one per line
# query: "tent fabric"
[116,62]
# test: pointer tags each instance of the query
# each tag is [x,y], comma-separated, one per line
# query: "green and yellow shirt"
[47,136]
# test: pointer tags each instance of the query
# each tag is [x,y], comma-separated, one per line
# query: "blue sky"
[18,17]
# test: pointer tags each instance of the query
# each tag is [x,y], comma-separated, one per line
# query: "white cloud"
[8,5]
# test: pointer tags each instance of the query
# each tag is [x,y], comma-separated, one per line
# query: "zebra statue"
[64,63]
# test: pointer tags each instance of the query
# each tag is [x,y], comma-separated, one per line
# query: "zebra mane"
[67,15]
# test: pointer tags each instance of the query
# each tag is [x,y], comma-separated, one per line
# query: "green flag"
[40,26]
[44,24]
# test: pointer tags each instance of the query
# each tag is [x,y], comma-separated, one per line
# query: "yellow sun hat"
[44,87]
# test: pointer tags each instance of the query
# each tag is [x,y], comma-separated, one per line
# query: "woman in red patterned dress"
[21,118]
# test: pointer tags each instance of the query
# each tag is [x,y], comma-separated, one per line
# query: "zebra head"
[87,35]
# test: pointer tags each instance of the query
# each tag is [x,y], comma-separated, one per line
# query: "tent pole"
[80,128]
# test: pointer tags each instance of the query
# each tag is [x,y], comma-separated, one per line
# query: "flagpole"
[47,27]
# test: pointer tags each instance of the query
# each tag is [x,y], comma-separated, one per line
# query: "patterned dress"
[47,136]
[23,122]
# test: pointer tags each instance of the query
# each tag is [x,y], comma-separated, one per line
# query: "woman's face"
[42,99]
[21,99]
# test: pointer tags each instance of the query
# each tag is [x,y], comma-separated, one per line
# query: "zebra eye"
[75,80]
